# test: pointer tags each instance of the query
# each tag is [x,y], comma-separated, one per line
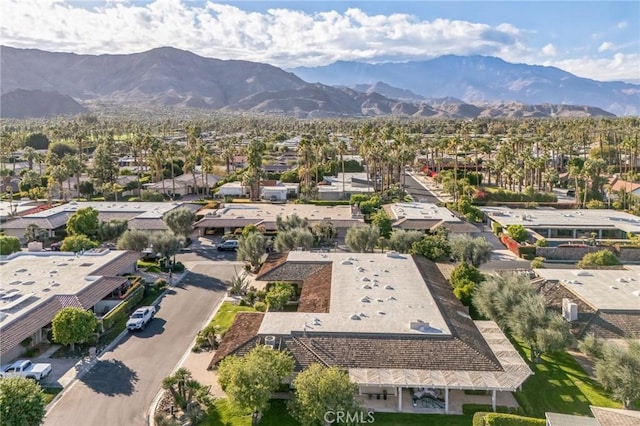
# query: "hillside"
[22,103]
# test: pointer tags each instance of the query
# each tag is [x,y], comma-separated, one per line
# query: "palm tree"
[342,150]
[75,167]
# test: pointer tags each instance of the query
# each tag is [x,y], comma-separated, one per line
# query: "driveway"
[122,385]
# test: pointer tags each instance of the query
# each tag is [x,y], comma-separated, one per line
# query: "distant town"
[237,269]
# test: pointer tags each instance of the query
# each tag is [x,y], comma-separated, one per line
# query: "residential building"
[418,216]
[343,186]
[391,321]
[145,216]
[232,216]
[604,302]
[566,225]
[36,285]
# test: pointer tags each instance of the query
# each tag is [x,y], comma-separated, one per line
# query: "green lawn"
[150,267]
[225,315]
[560,385]
[277,415]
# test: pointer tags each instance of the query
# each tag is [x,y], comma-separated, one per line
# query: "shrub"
[527,252]
[510,243]
[517,232]
[537,263]
[542,242]
[502,419]
[599,258]
[596,204]
[9,245]
[260,306]
[121,311]
[496,227]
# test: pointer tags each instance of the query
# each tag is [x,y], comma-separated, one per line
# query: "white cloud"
[606,45]
[549,50]
[622,24]
[282,37]
[620,66]
[279,36]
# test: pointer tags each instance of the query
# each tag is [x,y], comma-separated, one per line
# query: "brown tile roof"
[614,325]
[24,326]
[396,351]
[119,265]
[272,261]
[243,331]
[316,291]
[219,222]
[615,416]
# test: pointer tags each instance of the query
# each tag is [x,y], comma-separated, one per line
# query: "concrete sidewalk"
[433,187]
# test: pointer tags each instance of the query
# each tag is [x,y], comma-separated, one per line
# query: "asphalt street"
[120,388]
[417,191]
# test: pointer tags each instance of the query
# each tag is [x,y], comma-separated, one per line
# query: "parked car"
[27,369]
[141,317]
[228,245]
[56,246]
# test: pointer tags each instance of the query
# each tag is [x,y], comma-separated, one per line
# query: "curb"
[156,400]
[107,348]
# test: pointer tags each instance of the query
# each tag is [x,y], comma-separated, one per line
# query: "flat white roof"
[554,218]
[138,209]
[270,211]
[606,289]
[418,210]
[36,276]
[18,207]
[386,294]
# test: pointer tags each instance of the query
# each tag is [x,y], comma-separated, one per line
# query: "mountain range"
[40,83]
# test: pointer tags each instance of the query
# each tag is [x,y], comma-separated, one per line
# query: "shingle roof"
[291,271]
[316,291]
[243,330]
[614,325]
[616,417]
[118,265]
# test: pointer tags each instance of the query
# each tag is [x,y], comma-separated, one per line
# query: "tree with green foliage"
[517,232]
[464,279]
[319,390]
[511,301]
[31,179]
[21,402]
[86,188]
[474,251]
[180,221]
[84,222]
[9,245]
[34,233]
[251,249]
[402,241]
[166,243]
[362,239]
[77,243]
[324,232]
[249,381]
[617,370]
[112,230]
[73,325]
[433,247]
[133,239]
[290,222]
[278,295]
[57,151]
[294,239]
[599,258]
[151,196]
[184,389]
[370,205]
[105,167]
[37,141]
[382,220]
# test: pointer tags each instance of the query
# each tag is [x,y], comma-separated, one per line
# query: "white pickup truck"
[27,369]
[141,317]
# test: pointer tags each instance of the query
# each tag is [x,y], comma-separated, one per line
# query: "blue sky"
[599,40]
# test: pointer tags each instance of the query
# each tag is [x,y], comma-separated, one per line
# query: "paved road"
[417,191]
[120,388]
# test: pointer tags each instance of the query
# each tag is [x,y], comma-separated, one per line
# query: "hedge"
[478,418]
[497,228]
[122,310]
[502,419]
[527,252]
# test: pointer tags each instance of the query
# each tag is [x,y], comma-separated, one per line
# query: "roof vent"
[363,315]
[381,313]
[613,287]
[346,262]
[393,254]
[366,287]
[391,298]
[365,279]
[360,269]
[388,287]
[365,299]
[355,317]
